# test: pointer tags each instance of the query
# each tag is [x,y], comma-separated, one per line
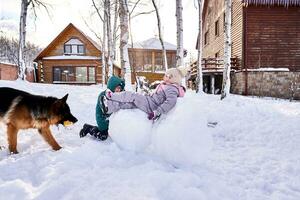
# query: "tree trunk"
[164,53]
[22,37]
[115,30]
[103,57]
[227,51]
[109,37]
[179,52]
[199,60]
[126,71]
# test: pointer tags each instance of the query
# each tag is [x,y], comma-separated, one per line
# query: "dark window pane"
[80,49]
[217,28]
[63,74]
[56,74]
[68,49]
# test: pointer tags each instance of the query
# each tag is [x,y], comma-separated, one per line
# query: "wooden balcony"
[215,65]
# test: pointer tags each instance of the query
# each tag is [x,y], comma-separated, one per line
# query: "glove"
[153,115]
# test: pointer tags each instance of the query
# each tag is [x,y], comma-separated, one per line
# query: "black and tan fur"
[21,110]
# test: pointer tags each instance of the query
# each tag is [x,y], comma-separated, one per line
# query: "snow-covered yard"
[253,153]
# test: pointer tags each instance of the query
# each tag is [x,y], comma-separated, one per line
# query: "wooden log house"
[71,58]
[146,58]
[265,34]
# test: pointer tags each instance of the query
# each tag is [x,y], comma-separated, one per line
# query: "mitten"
[153,115]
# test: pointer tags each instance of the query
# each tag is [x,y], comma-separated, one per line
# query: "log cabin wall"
[273,37]
[213,29]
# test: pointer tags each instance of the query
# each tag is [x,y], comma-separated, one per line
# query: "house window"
[92,74]
[74,46]
[68,49]
[81,74]
[217,55]
[80,49]
[171,58]
[224,16]
[159,62]
[138,60]
[73,74]
[147,61]
[217,28]
[206,38]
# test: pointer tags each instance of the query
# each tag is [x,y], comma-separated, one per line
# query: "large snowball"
[180,137]
[130,129]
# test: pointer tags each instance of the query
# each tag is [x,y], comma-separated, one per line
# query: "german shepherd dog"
[21,110]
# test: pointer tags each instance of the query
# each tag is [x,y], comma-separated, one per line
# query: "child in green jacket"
[115,84]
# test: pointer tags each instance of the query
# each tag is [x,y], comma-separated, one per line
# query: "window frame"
[77,46]
[74,70]
[217,27]
[65,47]
[206,39]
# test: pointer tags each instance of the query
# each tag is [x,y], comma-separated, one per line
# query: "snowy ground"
[252,154]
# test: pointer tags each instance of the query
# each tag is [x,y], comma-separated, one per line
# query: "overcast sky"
[45,28]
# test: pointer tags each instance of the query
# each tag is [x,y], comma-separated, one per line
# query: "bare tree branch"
[136,3]
[143,13]
[98,11]
[94,32]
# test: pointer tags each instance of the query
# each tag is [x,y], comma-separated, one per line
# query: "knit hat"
[176,74]
[114,82]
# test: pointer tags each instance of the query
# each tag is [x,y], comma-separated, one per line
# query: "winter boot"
[85,130]
[101,135]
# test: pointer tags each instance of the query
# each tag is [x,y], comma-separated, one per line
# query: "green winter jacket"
[102,119]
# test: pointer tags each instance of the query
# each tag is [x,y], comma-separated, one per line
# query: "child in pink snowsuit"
[161,101]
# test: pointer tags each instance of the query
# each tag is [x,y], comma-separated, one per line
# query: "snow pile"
[173,136]
[182,137]
[255,153]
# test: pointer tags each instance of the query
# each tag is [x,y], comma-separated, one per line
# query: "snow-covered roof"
[7,63]
[271,69]
[70,26]
[72,57]
[272,2]
[153,43]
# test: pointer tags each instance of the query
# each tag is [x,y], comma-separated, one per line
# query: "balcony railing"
[215,64]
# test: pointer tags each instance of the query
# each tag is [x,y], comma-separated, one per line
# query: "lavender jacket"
[162,100]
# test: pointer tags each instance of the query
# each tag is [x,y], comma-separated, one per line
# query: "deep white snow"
[253,152]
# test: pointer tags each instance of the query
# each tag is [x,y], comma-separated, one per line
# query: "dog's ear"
[64,99]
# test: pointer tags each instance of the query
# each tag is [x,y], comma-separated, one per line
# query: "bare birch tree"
[179,23]
[126,71]
[227,51]
[115,28]
[107,11]
[22,33]
[22,39]
[199,59]
[164,53]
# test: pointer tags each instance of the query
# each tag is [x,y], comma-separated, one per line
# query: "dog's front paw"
[56,148]
[13,152]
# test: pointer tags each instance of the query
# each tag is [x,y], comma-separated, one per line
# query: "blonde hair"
[176,74]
